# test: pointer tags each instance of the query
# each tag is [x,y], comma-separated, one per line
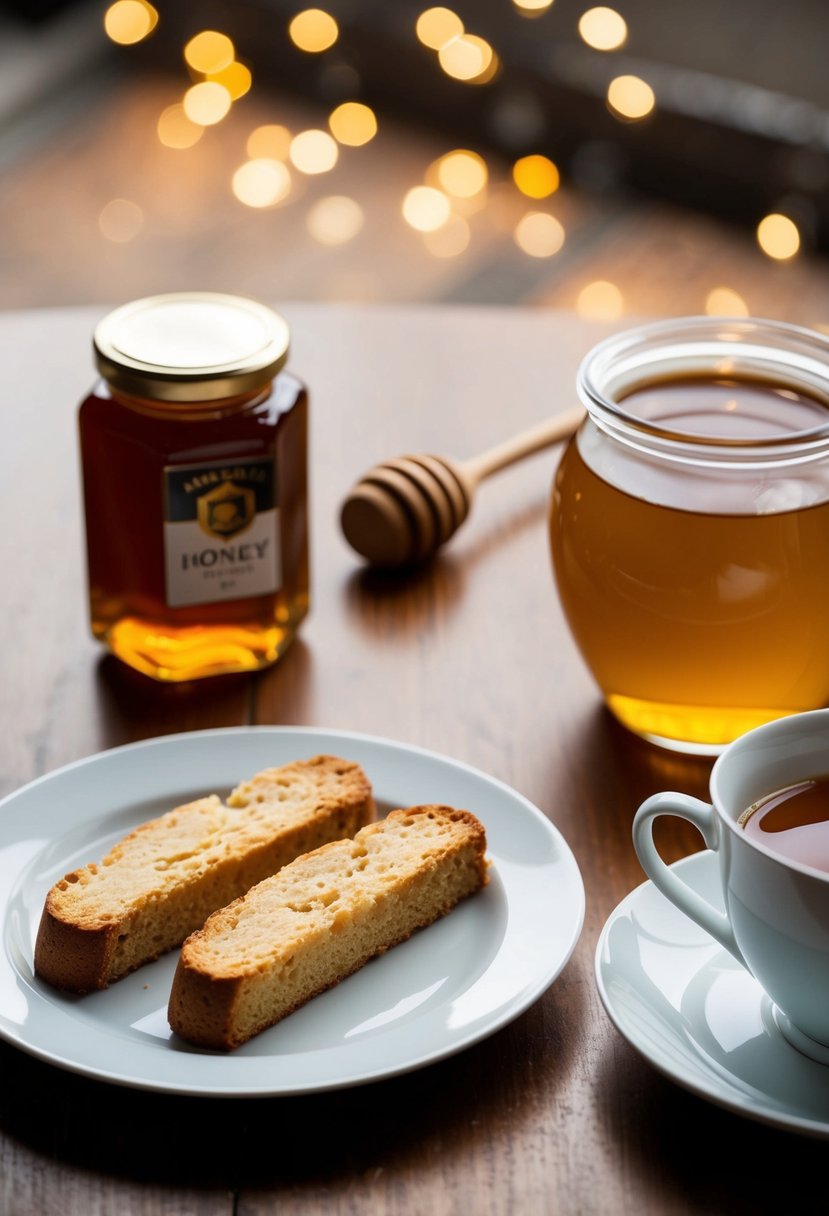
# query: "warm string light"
[604,301]
[271,141]
[455,183]
[236,78]
[129,21]
[778,237]
[539,234]
[469,58]
[630,98]
[437,27]
[462,173]
[426,209]
[264,179]
[463,56]
[353,124]
[313,31]
[261,182]
[455,180]
[600,301]
[603,29]
[536,176]
[209,52]
[725,302]
[211,56]
[532,8]
[206,103]
[335,220]
[176,130]
[313,152]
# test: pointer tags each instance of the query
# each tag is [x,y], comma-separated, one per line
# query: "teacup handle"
[702,816]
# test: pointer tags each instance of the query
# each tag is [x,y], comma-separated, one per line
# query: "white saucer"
[682,1001]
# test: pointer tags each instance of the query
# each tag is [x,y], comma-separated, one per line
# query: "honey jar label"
[221,532]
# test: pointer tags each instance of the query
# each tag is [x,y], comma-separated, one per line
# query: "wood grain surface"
[555,1113]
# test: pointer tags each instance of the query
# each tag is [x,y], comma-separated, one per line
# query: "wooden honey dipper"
[403,510]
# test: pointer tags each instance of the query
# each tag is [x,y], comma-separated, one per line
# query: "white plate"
[444,989]
[698,1016]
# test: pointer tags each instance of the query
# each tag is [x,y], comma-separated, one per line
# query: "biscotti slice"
[163,880]
[321,918]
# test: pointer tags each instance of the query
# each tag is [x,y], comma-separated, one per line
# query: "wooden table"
[470,657]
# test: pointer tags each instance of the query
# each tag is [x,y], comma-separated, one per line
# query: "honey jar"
[194,461]
[689,526]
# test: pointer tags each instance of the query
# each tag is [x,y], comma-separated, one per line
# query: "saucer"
[699,1017]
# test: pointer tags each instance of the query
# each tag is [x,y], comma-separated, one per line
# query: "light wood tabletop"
[469,657]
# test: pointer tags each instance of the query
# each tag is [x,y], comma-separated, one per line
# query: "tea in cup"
[768,823]
[689,527]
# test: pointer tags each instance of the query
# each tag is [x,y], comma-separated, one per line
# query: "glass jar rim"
[190,346]
[744,348]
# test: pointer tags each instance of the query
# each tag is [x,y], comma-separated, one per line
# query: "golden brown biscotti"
[321,918]
[163,880]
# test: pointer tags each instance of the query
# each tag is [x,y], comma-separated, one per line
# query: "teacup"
[776,919]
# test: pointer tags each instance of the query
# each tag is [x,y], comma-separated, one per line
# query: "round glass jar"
[194,459]
[689,527]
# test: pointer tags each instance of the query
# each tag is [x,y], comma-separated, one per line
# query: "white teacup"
[776,921]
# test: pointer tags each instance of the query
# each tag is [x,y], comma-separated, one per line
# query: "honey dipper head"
[403,510]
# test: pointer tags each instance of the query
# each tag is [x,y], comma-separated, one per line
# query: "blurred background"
[644,158]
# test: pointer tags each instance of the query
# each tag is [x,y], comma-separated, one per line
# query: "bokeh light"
[206,103]
[630,97]
[129,21]
[313,152]
[468,58]
[600,301]
[335,220]
[270,141]
[532,8]
[603,29]
[435,27]
[536,176]
[236,78]
[456,184]
[778,237]
[489,59]
[176,130]
[426,208]
[120,220]
[313,30]
[538,234]
[462,173]
[209,52]
[353,123]
[725,302]
[261,182]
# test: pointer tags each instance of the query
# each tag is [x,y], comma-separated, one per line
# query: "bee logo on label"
[226,511]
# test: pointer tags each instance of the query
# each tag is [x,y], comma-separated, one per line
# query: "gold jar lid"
[190,346]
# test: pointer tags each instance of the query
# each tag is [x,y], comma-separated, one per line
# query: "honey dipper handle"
[560,426]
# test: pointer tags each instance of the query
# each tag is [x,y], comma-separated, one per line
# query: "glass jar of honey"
[194,459]
[689,527]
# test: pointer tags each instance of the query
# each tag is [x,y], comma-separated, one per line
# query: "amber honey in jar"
[194,459]
[690,527]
